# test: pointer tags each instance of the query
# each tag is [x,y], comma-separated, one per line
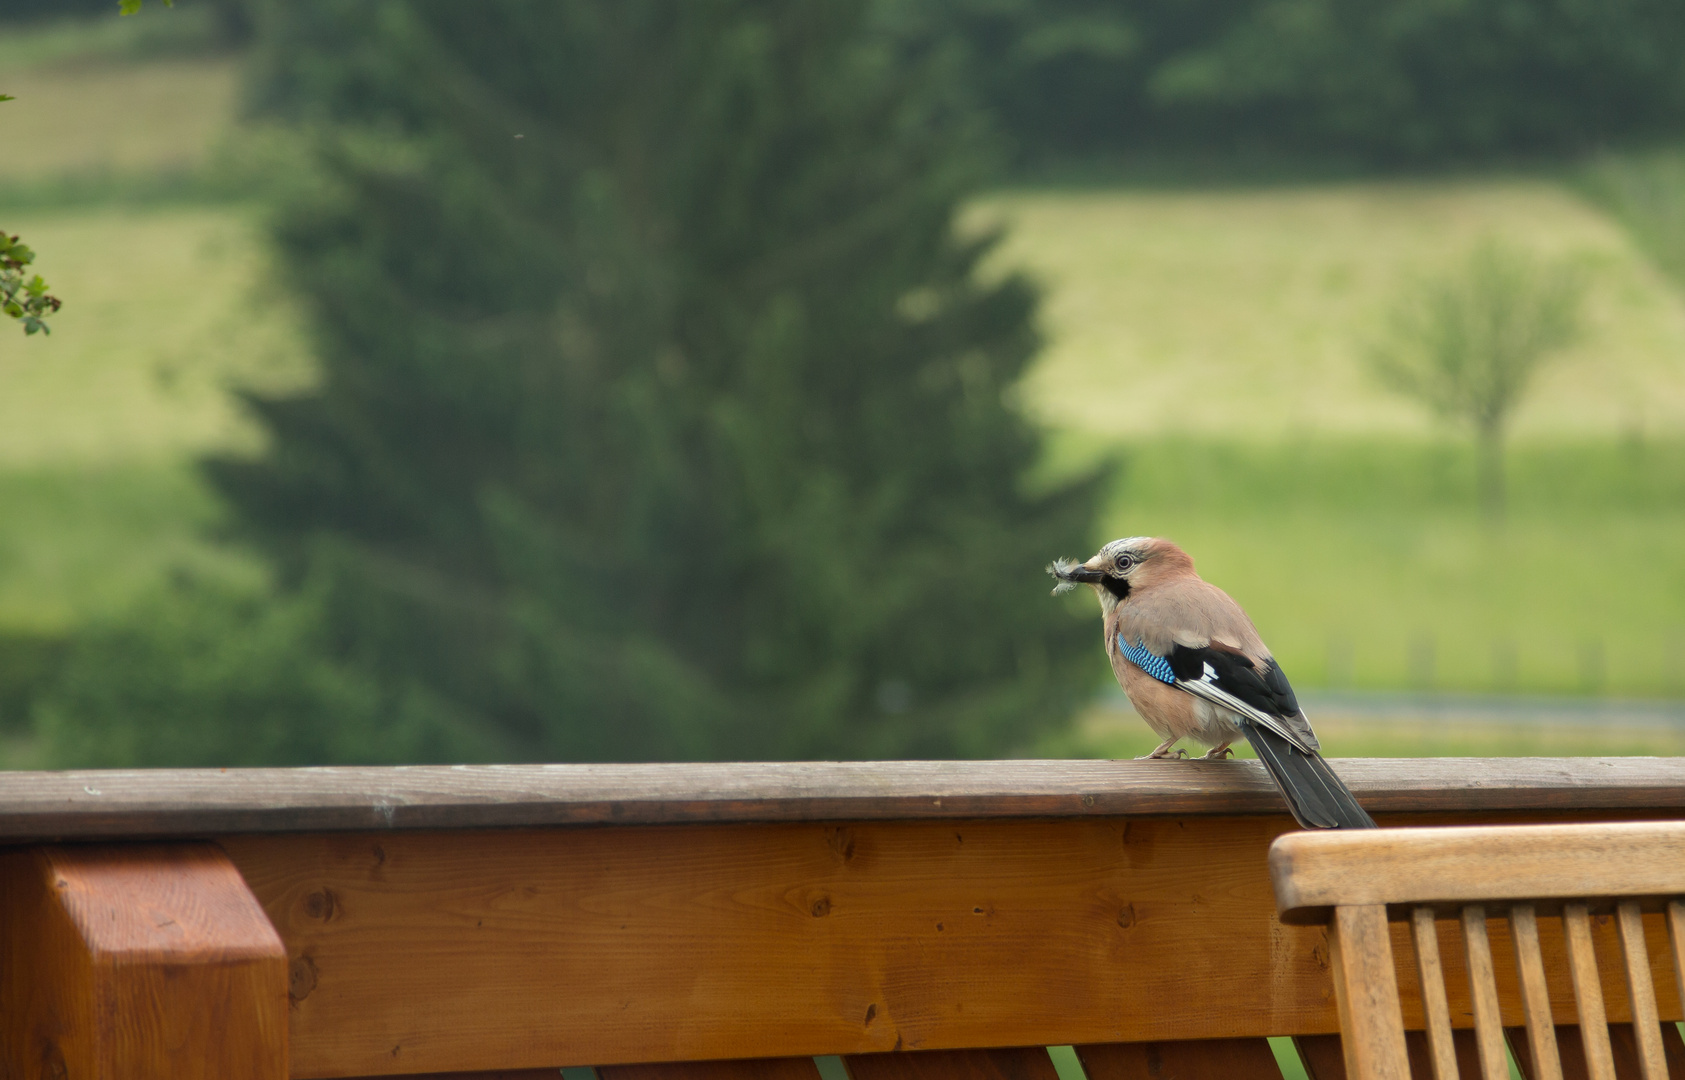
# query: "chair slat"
[1016,1063]
[1436,1010]
[788,1068]
[1588,992]
[1641,992]
[1676,940]
[1535,994]
[1483,993]
[1366,992]
[1192,1059]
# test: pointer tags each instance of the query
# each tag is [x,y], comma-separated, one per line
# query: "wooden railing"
[487,920]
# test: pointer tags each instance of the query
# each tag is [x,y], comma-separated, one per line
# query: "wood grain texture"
[201,802]
[1315,870]
[1360,959]
[1013,1063]
[787,1068]
[535,948]
[1483,993]
[1641,991]
[1535,993]
[424,952]
[1202,1059]
[146,961]
[1588,993]
[1436,1009]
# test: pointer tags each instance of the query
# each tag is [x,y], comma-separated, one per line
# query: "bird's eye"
[1124,562]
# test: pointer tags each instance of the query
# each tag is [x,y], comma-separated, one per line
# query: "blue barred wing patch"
[1151,663]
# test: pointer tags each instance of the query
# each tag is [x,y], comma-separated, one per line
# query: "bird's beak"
[1075,573]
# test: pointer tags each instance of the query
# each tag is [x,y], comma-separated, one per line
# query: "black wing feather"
[1266,691]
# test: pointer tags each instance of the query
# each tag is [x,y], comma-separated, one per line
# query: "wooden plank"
[1535,994]
[787,1068]
[1015,1063]
[1641,991]
[199,802]
[1366,992]
[1436,1009]
[1483,992]
[1588,993]
[1186,1059]
[1313,871]
[535,948]
[683,943]
[147,961]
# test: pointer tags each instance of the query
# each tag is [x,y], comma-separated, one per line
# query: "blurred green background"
[1218,219]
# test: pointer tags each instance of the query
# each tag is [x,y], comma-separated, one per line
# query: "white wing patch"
[1205,687]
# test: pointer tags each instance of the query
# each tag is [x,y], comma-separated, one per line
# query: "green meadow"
[1209,342]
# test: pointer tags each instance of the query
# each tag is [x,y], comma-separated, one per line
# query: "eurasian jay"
[1195,668]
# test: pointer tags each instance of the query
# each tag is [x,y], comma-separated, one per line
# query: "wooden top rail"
[206,802]
[1447,867]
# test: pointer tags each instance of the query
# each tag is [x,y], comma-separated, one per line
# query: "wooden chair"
[1356,882]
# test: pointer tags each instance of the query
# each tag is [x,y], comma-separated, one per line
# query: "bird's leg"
[1217,753]
[1163,751]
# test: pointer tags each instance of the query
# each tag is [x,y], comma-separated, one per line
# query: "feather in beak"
[1065,570]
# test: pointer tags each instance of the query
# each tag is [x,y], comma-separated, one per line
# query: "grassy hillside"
[165,310]
[1249,313]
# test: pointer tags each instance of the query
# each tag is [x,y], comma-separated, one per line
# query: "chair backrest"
[1356,882]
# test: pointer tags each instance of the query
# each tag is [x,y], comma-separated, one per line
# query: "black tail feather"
[1313,792]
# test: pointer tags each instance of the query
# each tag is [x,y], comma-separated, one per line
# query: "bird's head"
[1122,565]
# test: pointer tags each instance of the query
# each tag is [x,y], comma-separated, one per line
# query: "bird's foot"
[1217,753]
[1164,751]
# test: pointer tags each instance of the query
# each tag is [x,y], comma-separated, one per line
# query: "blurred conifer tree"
[664,412]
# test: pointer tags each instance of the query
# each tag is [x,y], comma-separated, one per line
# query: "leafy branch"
[23,296]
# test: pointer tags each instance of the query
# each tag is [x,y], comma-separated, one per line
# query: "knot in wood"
[301,978]
[321,904]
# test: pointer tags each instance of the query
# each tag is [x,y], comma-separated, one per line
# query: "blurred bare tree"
[1469,343]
